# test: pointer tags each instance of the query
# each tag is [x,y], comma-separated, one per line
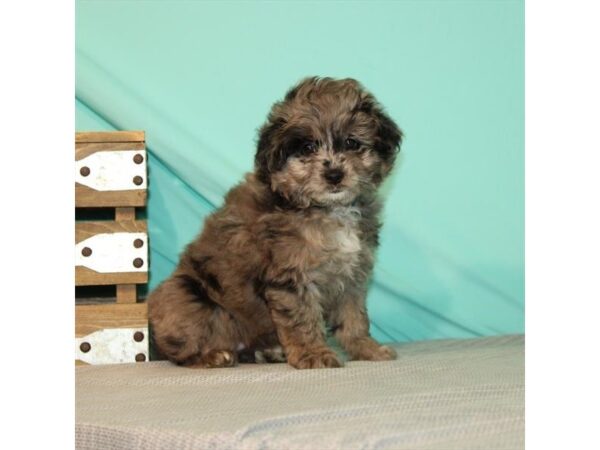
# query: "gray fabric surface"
[450,394]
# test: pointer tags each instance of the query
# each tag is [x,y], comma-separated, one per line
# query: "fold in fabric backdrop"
[199,78]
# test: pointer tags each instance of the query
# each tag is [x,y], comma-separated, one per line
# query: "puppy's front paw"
[369,350]
[316,359]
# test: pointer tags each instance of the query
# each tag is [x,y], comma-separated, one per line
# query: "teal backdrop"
[199,78]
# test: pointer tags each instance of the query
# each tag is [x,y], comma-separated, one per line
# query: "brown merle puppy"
[291,251]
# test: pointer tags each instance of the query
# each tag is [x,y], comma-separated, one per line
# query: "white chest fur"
[345,237]
[340,237]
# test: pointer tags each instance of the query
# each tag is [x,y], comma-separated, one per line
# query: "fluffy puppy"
[290,252]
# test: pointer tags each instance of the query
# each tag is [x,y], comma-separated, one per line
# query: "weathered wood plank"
[89,277]
[85,276]
[110,136]
[85,149]
[85,230]
[90,318]
[126,293]
[124,214]
[86,197]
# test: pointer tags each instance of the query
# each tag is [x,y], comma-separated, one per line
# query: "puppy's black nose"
[334,176]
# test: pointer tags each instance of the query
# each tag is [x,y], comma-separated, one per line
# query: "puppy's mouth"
[336,195]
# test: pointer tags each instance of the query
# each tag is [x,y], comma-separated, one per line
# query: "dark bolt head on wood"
[137,180]
[84,171]
[86,251]
[138,159]
[138,243]
[138,262]
[85,347]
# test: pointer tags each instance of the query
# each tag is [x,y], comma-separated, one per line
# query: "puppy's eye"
[352,144]
[309,147]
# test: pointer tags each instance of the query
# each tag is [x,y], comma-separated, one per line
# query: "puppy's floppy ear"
[265,151]
[389,136]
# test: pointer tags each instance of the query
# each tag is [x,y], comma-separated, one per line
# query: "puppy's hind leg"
[189,328]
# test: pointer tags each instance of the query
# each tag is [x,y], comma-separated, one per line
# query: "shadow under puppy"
[291,250]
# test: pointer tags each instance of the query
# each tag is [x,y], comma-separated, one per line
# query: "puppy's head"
[325,143]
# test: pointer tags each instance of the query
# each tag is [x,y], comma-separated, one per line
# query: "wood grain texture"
[124,214]
[89,277]
[110,136]
[85,149]
[90,318]
[86,197]
[126,293]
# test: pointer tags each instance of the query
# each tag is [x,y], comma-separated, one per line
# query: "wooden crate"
[111,176]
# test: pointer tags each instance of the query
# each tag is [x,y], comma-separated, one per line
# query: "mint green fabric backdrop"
[199,78]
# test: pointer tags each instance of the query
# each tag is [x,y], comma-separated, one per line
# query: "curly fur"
[290,252]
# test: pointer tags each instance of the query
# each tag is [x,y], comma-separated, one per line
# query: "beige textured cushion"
[450,394]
